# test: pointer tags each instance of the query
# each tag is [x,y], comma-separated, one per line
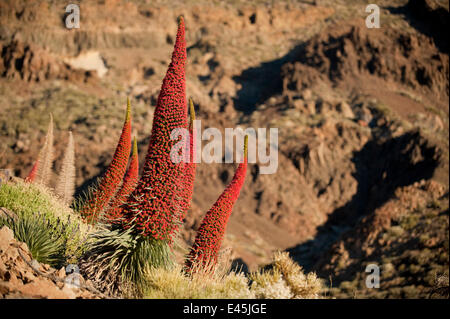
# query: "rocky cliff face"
[361,113]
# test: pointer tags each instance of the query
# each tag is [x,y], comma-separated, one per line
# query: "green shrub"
[34,203]
[44,239]
[118,261]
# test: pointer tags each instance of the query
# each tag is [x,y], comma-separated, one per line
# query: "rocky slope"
[362,113]
[23,277]
[407,237]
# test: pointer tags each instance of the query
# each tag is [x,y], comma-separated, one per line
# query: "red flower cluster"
[188,177]
[129,184]
[113,176]
[153,206]
[32,175]
[212,229]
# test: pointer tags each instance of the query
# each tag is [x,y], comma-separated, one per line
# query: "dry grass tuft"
[285,280]
[212,282]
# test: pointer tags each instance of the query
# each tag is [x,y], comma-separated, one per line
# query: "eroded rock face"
[432,17]
[350,50]
[89,61]
[31,63]
[406,237]
[19,280]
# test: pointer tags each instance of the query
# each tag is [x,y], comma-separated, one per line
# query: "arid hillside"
[362,115]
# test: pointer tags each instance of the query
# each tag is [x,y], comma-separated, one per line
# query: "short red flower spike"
[153,207]
[111,180]
[32,175]
[212,229]
[129,184]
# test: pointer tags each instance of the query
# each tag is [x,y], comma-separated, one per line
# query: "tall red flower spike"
[212,229]
[188,176]
[111,180]
[32,175]
[129,184]
[153,207]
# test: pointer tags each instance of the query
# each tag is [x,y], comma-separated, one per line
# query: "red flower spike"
[189,167]
[129,184]
[212,229]
[153,207]
[111,180]
[32,175]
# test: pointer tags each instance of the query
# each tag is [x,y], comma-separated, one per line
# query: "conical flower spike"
[65,185]
[210,234]
[111,180]
[188,177]
[46,156]
[153,207]
[129,184]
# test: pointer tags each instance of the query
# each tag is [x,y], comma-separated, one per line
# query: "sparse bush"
[270,285]
[302,286]
[286,279]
